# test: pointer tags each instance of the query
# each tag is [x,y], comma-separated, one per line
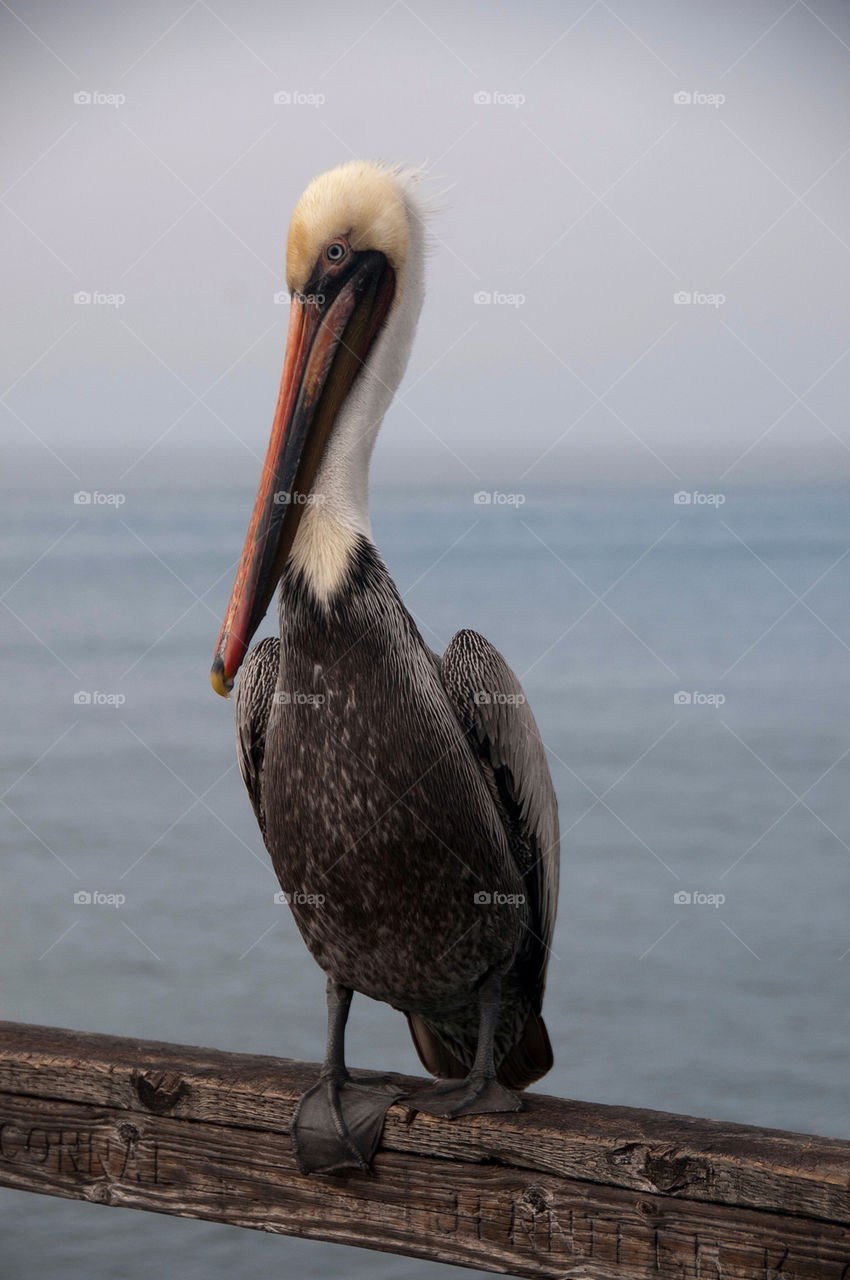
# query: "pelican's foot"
[475,1095]
[338,1123]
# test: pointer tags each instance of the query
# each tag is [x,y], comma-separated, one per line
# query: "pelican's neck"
[337,513]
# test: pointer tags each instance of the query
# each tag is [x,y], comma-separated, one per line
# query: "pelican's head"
[347,259]
[359,207]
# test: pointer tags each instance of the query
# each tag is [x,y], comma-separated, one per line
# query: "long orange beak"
[331,332]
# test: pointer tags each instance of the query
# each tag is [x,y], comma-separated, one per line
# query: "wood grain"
[561,1189]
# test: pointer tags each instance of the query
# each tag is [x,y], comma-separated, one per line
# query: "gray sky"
[582,187]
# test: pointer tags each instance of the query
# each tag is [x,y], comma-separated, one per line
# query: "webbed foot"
[476,1095]
[338,1123]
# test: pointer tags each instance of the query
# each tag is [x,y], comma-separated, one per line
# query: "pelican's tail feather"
[529,1058]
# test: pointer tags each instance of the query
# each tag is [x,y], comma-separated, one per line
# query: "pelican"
[404,797]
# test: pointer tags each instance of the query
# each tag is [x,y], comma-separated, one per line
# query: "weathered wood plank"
[562,1189]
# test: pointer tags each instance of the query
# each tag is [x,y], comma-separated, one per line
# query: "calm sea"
[729,1001]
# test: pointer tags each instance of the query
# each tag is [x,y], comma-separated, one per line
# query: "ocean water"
[729,1002]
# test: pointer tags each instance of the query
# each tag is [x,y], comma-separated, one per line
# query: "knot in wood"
[160,1091]
[535,1199]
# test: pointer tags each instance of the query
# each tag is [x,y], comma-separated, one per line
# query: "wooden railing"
[562,1189]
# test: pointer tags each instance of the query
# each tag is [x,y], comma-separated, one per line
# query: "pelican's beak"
[331,332]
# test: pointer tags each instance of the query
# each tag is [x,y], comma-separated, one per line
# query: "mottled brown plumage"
[409,812]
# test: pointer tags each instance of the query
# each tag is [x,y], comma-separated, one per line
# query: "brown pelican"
[404,797]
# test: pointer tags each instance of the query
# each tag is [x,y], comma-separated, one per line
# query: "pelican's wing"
[490,705]
[252,704]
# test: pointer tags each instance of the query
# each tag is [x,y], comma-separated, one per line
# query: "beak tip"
[219,682]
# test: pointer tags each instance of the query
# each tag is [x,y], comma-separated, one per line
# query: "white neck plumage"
[338,512]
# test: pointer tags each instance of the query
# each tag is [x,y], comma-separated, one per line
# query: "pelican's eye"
[335,251]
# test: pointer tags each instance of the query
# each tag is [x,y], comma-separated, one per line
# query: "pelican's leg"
[338,1123]
[480,1091]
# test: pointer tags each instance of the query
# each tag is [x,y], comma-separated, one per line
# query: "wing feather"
[252,704]
[492,708]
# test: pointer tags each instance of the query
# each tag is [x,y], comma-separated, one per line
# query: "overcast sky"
[577,185]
